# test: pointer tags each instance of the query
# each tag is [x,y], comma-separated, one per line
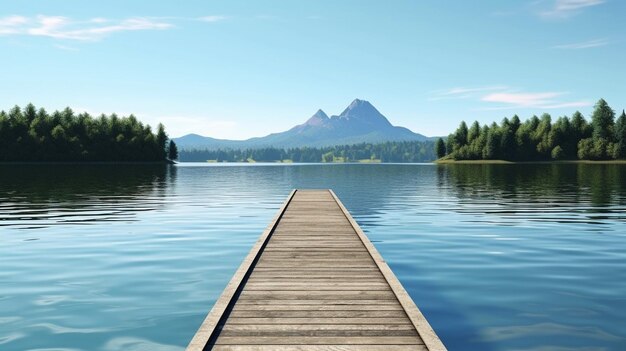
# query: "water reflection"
[38,196]
[498,257]
[561,193]
[599,184]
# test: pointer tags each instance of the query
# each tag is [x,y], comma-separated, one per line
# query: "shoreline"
[168,162]
[504,162]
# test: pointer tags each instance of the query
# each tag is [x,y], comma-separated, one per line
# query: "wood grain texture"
[314,282]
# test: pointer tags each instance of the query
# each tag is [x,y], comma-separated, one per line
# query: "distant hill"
[358,123]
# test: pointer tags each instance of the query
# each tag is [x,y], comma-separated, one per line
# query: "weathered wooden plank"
[317,285]
[316,314]
[316,244]
[316,279]
[326,321]
[328,250]
[319,333]
[295,249]
[256,282]
[314,254]
[328,302]
[317,340]
[329,270]
[347,264]
[339,247]
[319,348]
[316,295]
[302,272]
[314,237]
[336,261]
[381,307]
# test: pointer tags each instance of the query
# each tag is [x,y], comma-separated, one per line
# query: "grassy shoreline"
[168,162]
[487,162]
[336,160]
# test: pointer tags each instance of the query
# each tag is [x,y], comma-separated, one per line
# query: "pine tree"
[172,151]
[491,146]
[473,132]
[515,124]
[440,148]
[161,139]
[460,137]
[602,121]
[507,143]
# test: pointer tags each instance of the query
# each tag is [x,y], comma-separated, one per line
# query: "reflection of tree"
[598,183]
[85,193]
[604,182]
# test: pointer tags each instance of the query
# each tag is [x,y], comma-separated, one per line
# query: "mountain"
[360,122]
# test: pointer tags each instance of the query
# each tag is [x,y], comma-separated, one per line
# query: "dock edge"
[425,331]
[210,323]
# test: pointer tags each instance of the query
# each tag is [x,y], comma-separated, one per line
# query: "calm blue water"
[498,257]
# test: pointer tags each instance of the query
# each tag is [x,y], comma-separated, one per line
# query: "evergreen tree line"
[32,135]
[539,139]
[412,151]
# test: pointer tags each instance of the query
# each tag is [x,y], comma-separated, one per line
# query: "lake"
[497,257]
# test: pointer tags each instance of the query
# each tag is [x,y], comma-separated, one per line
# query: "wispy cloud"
[463,92]
[567,8]
[583,45]
[12,24]
[546,100]
[214,18]
[501,97]
[59,27]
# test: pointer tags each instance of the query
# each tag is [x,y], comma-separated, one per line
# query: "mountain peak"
[358,102]
[364,112]
[359,107]
[321,114]
[319,118]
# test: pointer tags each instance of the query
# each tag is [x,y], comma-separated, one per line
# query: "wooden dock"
[313,281]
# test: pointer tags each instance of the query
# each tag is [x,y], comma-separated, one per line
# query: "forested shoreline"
[538,139]
[34,135]
[403,152]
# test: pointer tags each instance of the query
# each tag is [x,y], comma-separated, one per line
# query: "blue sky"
[237,69]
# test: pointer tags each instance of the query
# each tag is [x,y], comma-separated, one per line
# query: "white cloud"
[463,92]
[11,24]
[520,99]
[212,18]
[567,8]
[546,100]
[583,45]
[60,27]
[12,21]
[500,97]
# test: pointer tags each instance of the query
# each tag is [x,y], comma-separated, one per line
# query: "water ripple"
[497,257]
